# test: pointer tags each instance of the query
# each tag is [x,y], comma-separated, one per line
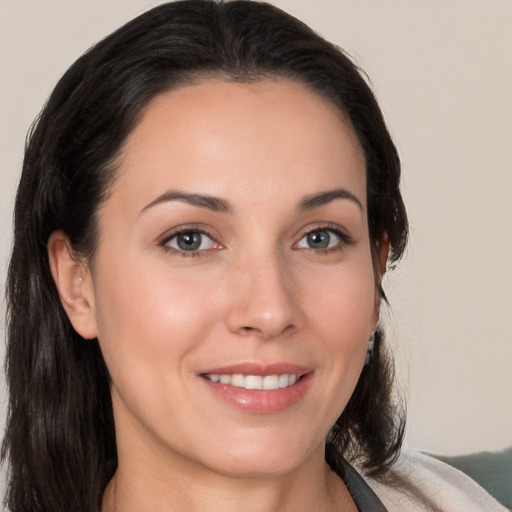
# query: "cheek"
[149,320]
[343,302]
[342,311]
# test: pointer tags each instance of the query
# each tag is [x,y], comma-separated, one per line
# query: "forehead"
[235,139]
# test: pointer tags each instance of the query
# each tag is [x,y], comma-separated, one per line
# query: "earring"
[369,350]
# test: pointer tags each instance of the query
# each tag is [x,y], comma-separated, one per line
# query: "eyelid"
[341,233]
[164,239]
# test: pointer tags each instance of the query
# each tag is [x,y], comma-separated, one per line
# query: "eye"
[321,239]
[190,241]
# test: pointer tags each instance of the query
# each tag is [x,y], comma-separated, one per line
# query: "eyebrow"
[315,200]
[212,203]
[217,204]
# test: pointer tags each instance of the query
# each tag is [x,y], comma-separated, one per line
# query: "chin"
[260,459]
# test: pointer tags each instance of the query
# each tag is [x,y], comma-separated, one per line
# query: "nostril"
[251,330]
[266,333]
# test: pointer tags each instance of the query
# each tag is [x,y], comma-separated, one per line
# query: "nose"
[264,302]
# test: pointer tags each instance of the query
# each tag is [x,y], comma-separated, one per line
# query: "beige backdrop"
[443,73]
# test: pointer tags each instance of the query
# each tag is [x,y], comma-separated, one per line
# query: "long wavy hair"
[60,446]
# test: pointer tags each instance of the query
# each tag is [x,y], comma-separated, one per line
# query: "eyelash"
[183,231]
[345,240]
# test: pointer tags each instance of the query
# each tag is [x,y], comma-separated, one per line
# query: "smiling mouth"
[254,382]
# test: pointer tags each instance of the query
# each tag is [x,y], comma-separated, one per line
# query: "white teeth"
[284,380]
[269,382]
[238,380]
[253,382]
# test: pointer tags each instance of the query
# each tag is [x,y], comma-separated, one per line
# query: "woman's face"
[234,255]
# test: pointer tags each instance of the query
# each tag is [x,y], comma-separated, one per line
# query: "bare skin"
[235,240]
[327,493]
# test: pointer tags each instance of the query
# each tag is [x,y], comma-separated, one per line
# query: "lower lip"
[259,400]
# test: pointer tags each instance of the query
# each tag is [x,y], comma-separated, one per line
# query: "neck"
[140,485]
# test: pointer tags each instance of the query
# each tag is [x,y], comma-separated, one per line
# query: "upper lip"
[263,370]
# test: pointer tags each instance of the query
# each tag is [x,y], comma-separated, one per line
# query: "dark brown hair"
[60,440]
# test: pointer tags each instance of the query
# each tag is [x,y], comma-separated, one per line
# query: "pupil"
[189,241]
[319,240]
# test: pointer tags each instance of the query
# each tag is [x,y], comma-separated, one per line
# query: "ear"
[74,284]
[383,248]
[383,253]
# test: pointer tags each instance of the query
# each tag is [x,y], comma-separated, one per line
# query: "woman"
[208,204]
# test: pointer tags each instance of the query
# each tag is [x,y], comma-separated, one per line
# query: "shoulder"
[420,483]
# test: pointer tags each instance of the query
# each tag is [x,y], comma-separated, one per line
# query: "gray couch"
[492,470]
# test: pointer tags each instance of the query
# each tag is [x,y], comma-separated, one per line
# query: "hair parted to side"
[60,440]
